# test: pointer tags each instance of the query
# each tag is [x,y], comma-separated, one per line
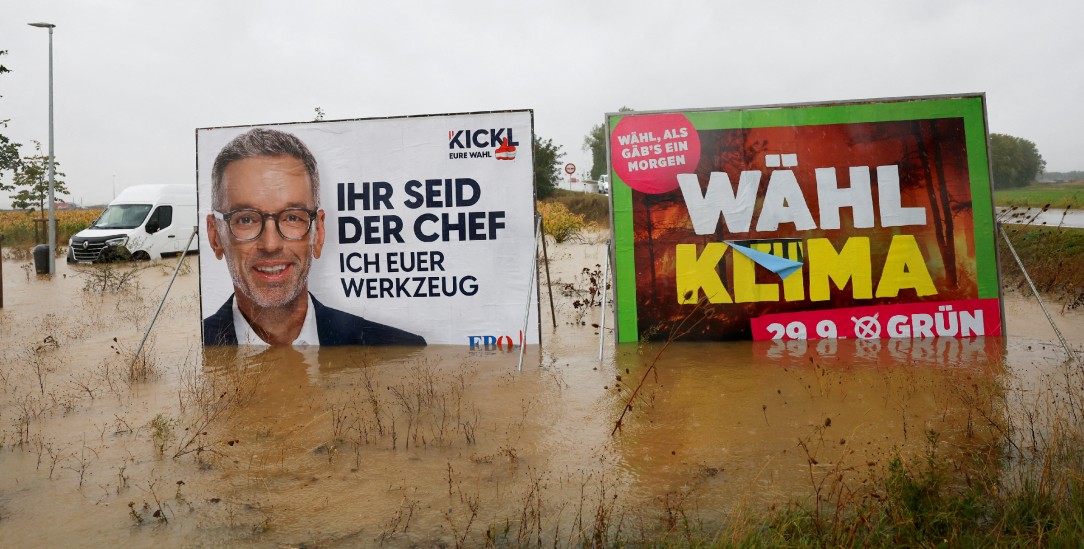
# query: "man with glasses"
[267,223]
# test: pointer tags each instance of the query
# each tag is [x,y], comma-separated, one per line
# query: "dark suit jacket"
[334,327]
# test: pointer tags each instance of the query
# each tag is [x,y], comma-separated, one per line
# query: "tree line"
[1075,175]
[1015,161]
[29,186]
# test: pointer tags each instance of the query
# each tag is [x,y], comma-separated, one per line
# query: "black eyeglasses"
[247,224]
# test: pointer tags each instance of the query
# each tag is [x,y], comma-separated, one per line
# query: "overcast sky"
[135,78]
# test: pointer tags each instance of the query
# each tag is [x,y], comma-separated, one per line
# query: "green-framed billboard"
[855,219]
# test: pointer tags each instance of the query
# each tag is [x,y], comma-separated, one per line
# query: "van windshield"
[122,216]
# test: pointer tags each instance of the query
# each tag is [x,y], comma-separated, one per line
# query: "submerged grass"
[936,501]
[1021,484]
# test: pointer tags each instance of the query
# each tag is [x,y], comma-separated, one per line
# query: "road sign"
[570,168]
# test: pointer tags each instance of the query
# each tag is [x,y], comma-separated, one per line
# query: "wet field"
[447,446]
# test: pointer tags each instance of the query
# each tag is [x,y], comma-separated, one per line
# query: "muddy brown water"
[444,446]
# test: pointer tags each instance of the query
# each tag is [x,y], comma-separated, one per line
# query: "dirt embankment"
[1053,259]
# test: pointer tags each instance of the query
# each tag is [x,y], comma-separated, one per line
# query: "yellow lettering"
[696,273]
[851,263]
[793,285]
[746,288]
[905,268]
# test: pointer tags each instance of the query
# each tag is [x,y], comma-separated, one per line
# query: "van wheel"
[141,256]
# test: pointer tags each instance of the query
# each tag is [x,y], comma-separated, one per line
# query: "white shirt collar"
[247,336]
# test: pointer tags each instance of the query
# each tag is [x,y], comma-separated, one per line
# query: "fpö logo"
[502,343]
[497,143]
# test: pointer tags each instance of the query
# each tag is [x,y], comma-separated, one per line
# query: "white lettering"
[858,197]
[720,199]
[784,203]
[893,214]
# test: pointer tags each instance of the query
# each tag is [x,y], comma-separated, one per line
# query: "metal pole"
[184,252]
[1034,290]
[530,290]
[549,283]
[52,167]
[602,321]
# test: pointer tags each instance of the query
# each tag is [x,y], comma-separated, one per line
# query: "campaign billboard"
[865,219]
[410,230]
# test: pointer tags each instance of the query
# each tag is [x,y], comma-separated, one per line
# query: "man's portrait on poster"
[266,222]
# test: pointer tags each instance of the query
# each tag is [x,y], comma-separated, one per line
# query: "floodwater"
[445,446]
[1042,217]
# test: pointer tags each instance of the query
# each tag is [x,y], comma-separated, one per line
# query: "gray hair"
[262,142]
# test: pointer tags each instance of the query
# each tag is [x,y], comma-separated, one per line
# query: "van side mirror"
[152,227]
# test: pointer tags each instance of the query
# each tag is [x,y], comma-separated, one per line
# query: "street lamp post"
[52,168]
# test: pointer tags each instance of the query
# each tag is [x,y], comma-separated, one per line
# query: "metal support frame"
[546,260]
[530,292]
[605,294]
[1034,290]
[184,252]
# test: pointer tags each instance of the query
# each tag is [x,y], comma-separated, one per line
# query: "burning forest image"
[930,158]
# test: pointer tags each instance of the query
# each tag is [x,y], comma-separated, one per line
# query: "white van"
[604,184]
[142,222]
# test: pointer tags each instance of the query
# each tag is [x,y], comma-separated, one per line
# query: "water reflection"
[327,433]
[755,424]
[310,359]
[947,352]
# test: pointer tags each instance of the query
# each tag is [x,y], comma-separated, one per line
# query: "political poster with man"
[863,219]
[392,231]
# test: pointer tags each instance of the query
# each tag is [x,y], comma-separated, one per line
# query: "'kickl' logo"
[482,143]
